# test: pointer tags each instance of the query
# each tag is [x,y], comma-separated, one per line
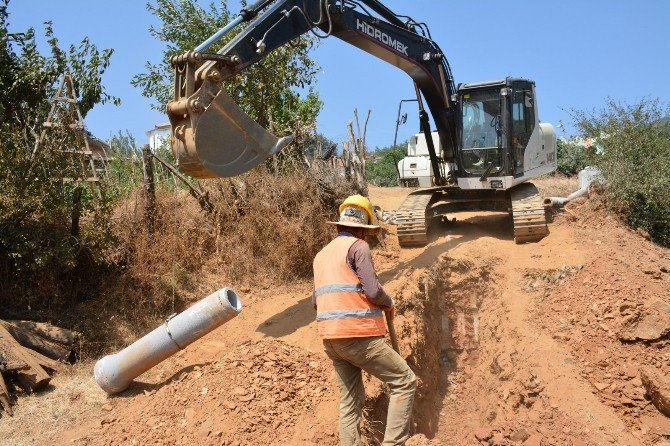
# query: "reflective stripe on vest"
[346,314]
[339,288]
[343,311]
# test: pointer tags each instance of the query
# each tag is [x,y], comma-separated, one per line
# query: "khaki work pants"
[376,357]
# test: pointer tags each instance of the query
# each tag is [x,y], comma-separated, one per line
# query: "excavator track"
[411,219]
[530,222]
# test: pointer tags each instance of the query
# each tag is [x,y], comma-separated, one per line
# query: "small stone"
[519,436]
[240,391]
[108,407]
[228,405]
[601,386]
[246,398]
[483,433]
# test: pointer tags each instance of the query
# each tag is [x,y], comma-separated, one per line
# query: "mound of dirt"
[259,393]
[614,318]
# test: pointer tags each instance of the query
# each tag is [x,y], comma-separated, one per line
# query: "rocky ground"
[561,342]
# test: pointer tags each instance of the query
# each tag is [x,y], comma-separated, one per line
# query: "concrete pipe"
[114,373]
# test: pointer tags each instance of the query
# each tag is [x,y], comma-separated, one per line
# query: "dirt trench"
[440,330]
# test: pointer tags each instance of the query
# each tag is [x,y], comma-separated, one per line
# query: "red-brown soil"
[512,344]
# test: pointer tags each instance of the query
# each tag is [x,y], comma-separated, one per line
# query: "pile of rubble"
[30,352]
[265,391]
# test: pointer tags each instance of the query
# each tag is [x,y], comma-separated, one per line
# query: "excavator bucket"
[222,140]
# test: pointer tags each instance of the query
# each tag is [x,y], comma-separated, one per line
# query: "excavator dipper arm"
[213,137]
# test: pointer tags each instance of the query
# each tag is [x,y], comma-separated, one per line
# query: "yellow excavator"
[488,140]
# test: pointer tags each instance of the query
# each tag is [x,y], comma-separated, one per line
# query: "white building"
[159,136]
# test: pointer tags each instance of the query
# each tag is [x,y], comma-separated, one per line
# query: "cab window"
[523,117]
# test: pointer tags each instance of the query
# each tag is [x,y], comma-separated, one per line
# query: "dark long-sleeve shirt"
[359,259]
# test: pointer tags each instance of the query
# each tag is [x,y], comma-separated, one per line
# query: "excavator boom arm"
[198,90]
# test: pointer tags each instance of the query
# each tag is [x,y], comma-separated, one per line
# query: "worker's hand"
[390,311]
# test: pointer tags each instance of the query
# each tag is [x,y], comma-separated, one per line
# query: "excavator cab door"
[523,123]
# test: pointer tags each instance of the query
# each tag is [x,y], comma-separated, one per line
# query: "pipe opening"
[233,300]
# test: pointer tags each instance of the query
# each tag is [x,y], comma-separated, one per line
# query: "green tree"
[635,160]
[35,210]
[266,91]
[381,168]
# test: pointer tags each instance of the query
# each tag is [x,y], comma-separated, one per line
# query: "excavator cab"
[500,134]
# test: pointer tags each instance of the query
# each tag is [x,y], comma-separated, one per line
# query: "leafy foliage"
[35,209]
[635,161]
[573,156]
[383,171]
[265,91]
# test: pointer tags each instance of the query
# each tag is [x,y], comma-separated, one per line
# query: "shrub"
[635,160]
[573,156]
[381,169]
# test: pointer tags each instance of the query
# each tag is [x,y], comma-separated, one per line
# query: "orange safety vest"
[343,311]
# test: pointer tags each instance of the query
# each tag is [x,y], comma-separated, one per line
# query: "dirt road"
[512,344]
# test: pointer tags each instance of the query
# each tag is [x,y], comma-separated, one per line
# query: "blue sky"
[578,52]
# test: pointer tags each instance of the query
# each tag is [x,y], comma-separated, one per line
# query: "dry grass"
[556,185]
[73,396]
[265,229]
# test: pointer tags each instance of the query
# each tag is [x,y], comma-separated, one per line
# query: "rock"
[228,405]
[601,386]
[653,324]
[630,371]
[519,436]
[418,440]
[240,391]
[658,388]
[483,433]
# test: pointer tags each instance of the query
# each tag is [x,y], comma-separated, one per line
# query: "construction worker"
[350,302]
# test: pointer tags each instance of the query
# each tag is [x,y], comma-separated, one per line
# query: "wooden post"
[198,194]
[149,187]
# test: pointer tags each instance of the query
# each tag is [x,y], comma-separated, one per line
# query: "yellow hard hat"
[359,201]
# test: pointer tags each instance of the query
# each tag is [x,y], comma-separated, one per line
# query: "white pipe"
[562,201]
[587,177]
[114,373]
